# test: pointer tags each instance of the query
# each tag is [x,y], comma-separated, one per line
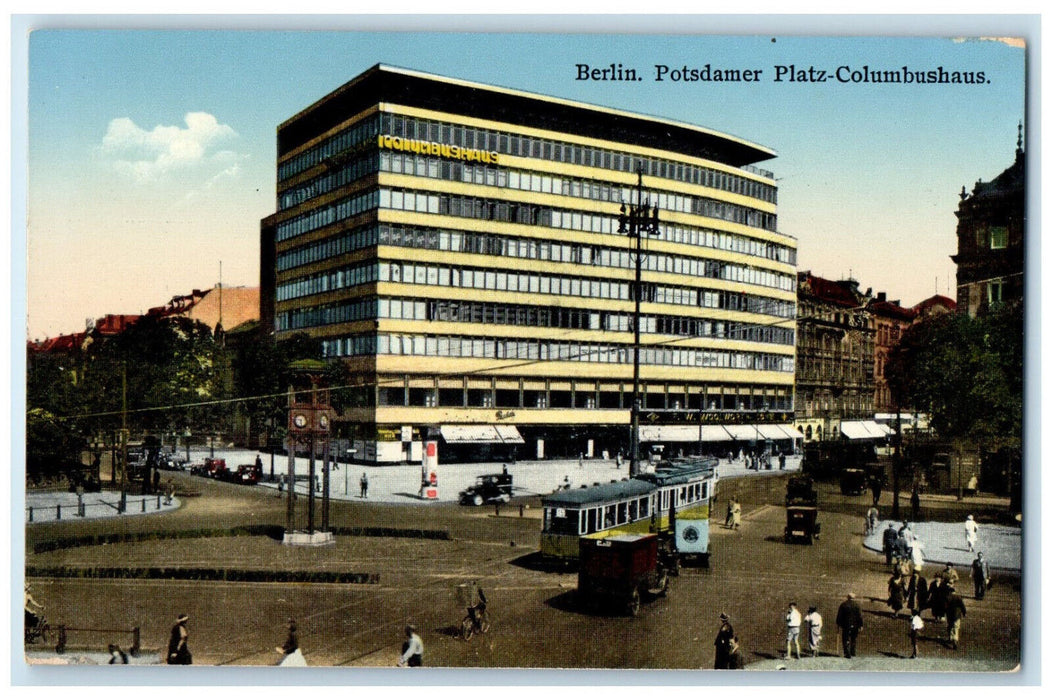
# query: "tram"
[674,498]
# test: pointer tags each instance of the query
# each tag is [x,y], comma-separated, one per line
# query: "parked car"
[488,488]
[801,511]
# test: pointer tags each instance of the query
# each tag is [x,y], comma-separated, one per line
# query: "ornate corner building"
[991,223]
[835,356]
[457,245]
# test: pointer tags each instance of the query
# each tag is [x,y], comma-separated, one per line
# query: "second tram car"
[675,496]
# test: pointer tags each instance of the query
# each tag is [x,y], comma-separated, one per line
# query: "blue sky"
[151,154]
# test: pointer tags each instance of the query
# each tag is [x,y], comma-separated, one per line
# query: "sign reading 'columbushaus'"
[431,148]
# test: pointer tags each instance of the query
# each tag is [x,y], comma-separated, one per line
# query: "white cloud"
[146,155]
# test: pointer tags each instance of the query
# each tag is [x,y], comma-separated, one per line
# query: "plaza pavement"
[941,542]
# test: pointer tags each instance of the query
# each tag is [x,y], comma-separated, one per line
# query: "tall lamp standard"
[639,218]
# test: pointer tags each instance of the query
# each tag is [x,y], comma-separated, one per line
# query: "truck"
[488,488]
[620,571]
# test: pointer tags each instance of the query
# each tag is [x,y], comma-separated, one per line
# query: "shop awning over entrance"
[862,430]
[463,434]
[682,433]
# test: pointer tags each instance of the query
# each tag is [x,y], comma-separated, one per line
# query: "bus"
[674,498]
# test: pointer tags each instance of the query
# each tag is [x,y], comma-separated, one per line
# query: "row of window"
[525,282]
[345,174]
[551,351]
[563,152]
[521,315]
[328,215]
[361,131]
[528,181]
[588,520]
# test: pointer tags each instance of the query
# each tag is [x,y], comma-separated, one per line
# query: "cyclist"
[476,611]
[31,608]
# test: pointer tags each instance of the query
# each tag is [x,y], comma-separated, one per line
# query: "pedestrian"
[156,481]
[849,622]
[949,574]
[291,655]
[117,655]
[792,631]
[973,485]
[923,593]
[937,597]
[891,537]
[955,613]
[169,491]
[911,590]
[618,459]
[736,514]
[915,505]
[259,464]
[872,517]
[971,533]
[875,487]
[724,637]
[730,513]
[916,625]
[814,629]
[917,556]
[906,534]
[412,648]
[736,660]
[980,576]
[363,483]
[178,643]
[781,461]
[896,594]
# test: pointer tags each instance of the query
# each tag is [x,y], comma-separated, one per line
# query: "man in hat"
[955,612]
[849,620]
[178,651]
[723,642]
[971,533]
[980,576]
[736,658]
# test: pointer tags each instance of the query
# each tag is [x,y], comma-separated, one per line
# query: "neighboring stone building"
[990,227]
[834,356]
[890,321]
[934,306]
[219,306]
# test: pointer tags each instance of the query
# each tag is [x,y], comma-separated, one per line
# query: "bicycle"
[477,620]
[39,631]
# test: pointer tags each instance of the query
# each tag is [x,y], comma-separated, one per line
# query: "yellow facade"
[462,279]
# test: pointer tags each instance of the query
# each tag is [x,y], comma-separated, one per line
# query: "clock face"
[299,420]
[323,422]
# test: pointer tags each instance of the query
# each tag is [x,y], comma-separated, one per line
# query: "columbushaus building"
[459,246]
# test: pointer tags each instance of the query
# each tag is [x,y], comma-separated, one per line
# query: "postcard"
[527,346]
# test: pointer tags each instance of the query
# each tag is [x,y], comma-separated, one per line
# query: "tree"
[967,373]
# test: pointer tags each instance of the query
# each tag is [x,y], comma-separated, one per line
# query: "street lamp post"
[635,220]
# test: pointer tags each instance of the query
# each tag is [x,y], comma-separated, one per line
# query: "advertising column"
[429,487]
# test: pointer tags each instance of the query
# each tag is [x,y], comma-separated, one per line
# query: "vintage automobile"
[620,571]
[801,511]
[488,488]
[852,482]
[245,474]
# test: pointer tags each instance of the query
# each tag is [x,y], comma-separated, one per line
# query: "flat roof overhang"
[386,84]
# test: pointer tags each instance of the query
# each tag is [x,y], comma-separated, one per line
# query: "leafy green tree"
[967,373]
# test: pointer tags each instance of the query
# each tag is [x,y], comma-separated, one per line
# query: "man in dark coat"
[178,651]
[723,642]
[980,576]
[955,612]
[849,620]
[891,538]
